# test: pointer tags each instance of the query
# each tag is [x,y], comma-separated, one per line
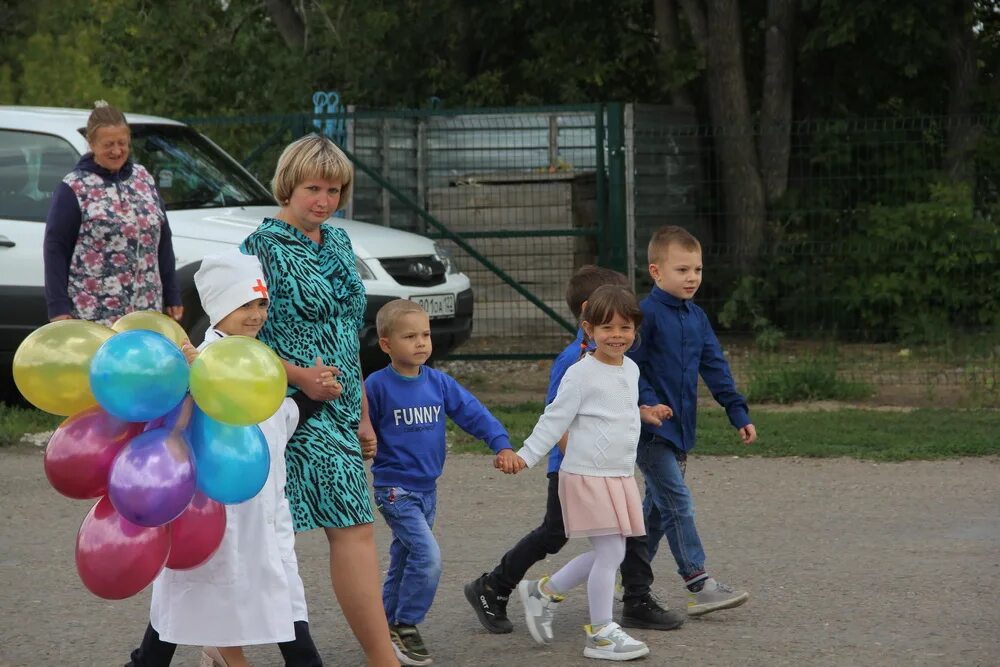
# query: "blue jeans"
[414,555]
[668,506]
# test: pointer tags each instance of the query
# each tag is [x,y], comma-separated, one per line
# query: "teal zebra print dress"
[317,307]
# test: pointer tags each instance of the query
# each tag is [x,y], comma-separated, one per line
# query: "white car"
[212,203]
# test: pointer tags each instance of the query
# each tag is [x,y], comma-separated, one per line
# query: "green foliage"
[775,380]
[744,311]
[918,271]
[15,422]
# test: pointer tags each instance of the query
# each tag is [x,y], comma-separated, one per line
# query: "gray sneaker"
[713,597]
[539,608]
[612,643]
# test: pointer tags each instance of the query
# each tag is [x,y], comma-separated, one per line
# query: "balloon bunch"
[163,462]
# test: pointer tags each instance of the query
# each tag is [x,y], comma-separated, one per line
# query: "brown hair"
[312,156]
[665,236]
[610,300]
[103,115]
[389,314]
[587,279]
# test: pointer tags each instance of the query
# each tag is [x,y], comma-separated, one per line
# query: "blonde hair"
[104,115]
[665,236]
[312,156]
[389,314]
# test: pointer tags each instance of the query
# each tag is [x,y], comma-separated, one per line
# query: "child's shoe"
[714,596]
[647,613]
[539,607]
[490,607]
[612,643]
[409,645]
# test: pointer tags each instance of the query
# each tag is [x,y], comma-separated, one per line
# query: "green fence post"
[602,185]
[616,229]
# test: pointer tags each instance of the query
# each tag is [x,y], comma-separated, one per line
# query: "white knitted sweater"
[599,405]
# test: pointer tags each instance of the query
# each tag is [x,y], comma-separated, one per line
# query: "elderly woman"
[317,307]
[107,243]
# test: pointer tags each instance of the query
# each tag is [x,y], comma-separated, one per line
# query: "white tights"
[598,566]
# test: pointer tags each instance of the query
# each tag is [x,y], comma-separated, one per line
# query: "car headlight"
[363,270]
[444,254]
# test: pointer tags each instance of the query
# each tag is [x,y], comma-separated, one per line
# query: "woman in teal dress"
[317,305]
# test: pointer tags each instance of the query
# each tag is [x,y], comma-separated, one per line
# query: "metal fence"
[881,261]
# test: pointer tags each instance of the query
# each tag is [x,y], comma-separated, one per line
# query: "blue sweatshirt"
[566,358]
[409,419]
[62,227]
[676,343]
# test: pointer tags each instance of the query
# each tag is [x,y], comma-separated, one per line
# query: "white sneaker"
[713,597]
[612,643]
[539,608]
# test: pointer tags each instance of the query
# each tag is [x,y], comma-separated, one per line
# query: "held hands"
[369,443]
[748,434]
[509,462]
[655,414]
[176,312]
[320,381]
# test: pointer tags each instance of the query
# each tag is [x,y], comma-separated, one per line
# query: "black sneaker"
[647,613]
[490,607]
[409,645]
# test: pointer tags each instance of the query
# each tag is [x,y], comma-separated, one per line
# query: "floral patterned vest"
[115,267]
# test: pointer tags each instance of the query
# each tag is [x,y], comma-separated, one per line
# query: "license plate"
[437,305]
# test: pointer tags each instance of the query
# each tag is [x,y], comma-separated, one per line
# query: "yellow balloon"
[152,320]
[238,380]
[52,365]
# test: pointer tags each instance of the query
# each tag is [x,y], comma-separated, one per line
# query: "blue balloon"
[179,418]
[138,375]
[233,462]
[152,479]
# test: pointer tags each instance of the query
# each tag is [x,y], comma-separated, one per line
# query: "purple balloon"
[153,478]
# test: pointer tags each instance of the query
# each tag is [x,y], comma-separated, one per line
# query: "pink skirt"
[593,506]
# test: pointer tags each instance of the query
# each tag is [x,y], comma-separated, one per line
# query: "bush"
[788,381]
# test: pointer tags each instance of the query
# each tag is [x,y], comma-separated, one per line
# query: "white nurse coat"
[249,591]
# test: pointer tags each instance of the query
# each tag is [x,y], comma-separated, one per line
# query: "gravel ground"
[847,562]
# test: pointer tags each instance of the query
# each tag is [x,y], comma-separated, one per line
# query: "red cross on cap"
[262,288]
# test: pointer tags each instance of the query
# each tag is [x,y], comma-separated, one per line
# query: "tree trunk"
[665,15]
[288,22]
[963,132]
[729,106]
[776,104]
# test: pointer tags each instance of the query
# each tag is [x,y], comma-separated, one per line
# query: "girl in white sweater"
[597,406]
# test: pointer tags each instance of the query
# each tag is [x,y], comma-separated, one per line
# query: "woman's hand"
[176,312]
[319,382]
[366,436]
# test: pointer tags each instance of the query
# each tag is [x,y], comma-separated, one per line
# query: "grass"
[810,380]
[16,421]
[862,434]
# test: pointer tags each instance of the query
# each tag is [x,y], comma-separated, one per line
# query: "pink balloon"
[79,454]
[197,533]
[115,558]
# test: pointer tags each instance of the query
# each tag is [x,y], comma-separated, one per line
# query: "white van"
[212,203]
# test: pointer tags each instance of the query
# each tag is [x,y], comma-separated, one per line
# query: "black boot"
[490,607]
[646,613]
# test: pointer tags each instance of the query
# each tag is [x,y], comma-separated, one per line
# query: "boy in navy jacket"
[408,403]
[677,344]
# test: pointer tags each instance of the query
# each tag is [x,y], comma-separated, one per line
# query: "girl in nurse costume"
[249,591]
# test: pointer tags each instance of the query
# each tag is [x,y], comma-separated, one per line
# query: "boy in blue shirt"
[490,593]
[678,344]
[408,403]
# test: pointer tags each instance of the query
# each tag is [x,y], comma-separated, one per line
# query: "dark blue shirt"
[408,415]
[676,344]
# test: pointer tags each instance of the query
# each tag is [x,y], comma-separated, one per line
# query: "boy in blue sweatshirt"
[678,344]
[408,403]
